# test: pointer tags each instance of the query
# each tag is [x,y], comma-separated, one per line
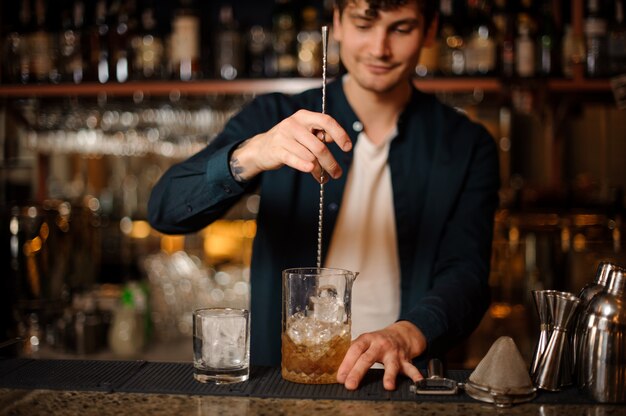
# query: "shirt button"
[333,206]
[357,126]
[189,208]
[227,189]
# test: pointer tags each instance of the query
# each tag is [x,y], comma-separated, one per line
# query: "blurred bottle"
[451,49]
[617,40]
[184,44]
[529,8]
[309,44]
[127,330]
[500,21]
[499,17]
[428,63]
[283,52]
[88,324]
[480,51]
[258,41]
[567,51]
[27,29]
[596,39]
[525,45]
[147,45]
[43,46]
[71,63]
[524,48]
[573,51]
[228,46]
[547,42]
[99,44]
[119,39]
[14,51]
[507,47]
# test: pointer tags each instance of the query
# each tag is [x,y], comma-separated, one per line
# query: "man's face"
[380,52]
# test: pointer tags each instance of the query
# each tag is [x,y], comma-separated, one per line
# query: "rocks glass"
[221,345]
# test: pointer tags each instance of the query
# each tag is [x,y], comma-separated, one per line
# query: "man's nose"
[379,46]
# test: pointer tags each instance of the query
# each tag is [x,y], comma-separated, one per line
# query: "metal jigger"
[545,326]
[555,368]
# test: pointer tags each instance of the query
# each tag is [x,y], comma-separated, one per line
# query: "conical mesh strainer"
[501,377]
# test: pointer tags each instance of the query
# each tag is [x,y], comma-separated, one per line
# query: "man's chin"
[380,86]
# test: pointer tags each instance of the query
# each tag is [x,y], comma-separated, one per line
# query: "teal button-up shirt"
[445,178]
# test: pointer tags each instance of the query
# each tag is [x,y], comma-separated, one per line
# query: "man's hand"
[393,346]
[296,142]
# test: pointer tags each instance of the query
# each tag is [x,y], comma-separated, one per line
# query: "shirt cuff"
[219,177]
[428,321]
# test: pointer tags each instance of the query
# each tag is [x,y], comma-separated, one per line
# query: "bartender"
[409,203]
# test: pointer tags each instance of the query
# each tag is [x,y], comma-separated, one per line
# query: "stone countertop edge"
[53,402]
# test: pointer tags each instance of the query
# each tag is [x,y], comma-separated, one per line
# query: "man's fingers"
[310,131]
[361,367]
[303,153]
[306,138]
[317,174]
[358,360]
[375,347]
[333,131]
[300,141]
[321,135]
[391,373]
[411,371]
[393,367]
[296,162]
[357,348]
[322,153]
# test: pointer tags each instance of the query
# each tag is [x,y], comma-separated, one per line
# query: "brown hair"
[428,8]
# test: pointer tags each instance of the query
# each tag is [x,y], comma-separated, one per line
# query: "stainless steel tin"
[599,285]
[603,342]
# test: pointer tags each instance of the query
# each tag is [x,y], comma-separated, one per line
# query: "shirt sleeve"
[193,193]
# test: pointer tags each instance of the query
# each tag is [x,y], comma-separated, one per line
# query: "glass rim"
[314,271]
[223,310]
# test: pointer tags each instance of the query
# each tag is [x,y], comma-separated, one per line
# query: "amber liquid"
[316,364]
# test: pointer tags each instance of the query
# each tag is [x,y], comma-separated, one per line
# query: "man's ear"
[431,32]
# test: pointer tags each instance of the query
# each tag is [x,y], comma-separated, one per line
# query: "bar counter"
[79,387]
[49,402]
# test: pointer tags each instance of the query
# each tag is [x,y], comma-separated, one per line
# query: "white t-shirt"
[364,238]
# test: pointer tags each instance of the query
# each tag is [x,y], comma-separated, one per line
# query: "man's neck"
[378,112]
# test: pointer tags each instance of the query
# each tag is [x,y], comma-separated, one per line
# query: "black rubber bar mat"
[271,384]
[9,364]
[177,378]
[70,374]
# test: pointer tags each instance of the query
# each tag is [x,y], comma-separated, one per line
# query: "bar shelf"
[285,85]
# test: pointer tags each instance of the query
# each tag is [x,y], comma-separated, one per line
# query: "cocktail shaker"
[599,284]
[603,342]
